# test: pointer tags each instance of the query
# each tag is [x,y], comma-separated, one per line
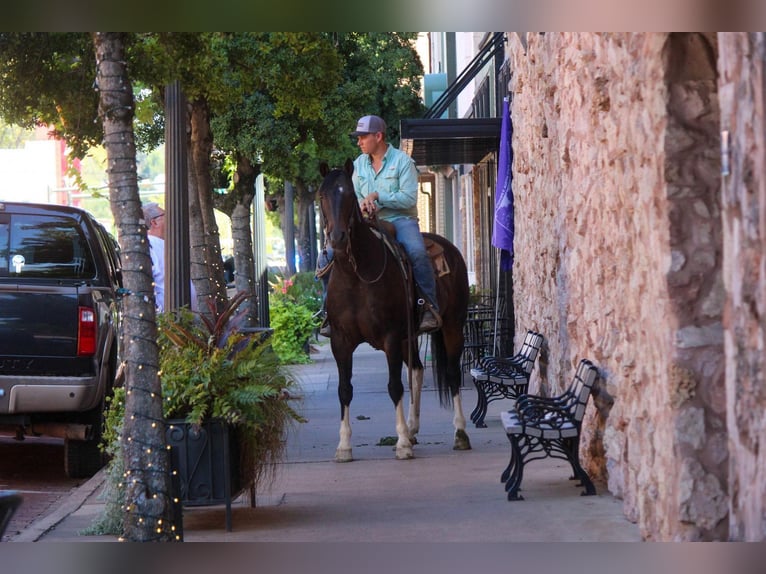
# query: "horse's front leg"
[396,392]
[345,394]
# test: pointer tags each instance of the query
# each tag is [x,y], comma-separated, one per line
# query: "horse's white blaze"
[413,420]
[459,419]
[403,444]
[343,452]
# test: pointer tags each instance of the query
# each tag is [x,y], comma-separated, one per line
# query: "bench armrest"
[550,415]
[559,401]
[514,362]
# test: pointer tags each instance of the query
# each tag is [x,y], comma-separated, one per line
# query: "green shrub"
[302,289]
[293,306]
[293,326]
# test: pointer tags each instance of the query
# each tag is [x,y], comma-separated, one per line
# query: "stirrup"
[430,320]
[324,329]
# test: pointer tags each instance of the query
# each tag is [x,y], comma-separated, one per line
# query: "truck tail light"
[86,332]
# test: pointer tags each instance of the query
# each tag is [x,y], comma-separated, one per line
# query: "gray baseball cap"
[151,211]
[369,125]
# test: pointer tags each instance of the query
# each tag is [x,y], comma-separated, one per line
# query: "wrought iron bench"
[503,377]
[9,502]
[540,427]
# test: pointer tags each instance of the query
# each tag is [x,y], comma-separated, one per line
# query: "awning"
[445,141]
[450,141]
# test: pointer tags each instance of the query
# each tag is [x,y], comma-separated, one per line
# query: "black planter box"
[206,460]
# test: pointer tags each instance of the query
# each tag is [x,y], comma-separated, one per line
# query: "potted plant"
[222,387]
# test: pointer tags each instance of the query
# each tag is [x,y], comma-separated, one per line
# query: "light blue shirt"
[396,183]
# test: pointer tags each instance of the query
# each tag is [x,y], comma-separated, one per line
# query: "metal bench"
[9,502]
[503,377]
[540,427]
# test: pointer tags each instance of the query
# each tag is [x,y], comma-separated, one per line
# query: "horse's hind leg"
[453,343]
[462,442]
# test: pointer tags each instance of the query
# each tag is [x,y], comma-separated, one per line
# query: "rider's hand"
[368,204]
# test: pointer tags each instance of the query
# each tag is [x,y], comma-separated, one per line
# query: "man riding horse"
[386,184]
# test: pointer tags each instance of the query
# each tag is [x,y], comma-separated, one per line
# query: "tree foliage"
[47,80]
[294,98]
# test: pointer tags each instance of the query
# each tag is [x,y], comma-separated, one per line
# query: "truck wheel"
[82,458]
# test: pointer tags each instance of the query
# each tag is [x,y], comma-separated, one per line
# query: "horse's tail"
[439,360]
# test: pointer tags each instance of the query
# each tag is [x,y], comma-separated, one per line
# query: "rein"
[352,259]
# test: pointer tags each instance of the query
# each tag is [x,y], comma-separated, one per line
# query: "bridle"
[349,247]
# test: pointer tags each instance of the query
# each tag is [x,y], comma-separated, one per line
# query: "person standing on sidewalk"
[386,184]
[154,219]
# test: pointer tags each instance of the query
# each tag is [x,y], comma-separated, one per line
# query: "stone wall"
[618,250]
[742,62]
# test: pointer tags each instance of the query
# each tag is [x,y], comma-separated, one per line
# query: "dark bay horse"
[370,300]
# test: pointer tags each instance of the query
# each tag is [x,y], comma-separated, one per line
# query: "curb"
[71,504]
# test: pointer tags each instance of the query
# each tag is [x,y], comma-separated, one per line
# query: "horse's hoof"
[343,455]
[404,453]
[462,442]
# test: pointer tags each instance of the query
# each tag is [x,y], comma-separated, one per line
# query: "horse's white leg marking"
[343,452]
[403,444]
[413,421]
[459,419]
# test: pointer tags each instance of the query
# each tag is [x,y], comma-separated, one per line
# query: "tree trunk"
[148,509]
[206,259]
[306,226]
[242,235]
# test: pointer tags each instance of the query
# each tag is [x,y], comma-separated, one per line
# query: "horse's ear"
[349,166]
[324,169]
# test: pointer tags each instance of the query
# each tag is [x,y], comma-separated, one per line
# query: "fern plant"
[212,369]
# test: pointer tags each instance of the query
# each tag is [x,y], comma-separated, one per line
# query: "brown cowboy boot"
[430,321]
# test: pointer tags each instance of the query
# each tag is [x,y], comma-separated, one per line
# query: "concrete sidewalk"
[440,496]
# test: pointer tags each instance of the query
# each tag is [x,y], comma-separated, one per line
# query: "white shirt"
[157,251]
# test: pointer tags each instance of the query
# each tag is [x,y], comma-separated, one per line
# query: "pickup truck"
[59,327]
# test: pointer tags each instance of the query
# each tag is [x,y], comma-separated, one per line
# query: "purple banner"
[502,232]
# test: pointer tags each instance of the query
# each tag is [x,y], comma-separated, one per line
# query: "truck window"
[46,246]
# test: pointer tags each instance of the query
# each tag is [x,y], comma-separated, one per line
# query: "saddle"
[387,232]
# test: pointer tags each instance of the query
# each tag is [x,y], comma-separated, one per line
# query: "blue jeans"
[408,234]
